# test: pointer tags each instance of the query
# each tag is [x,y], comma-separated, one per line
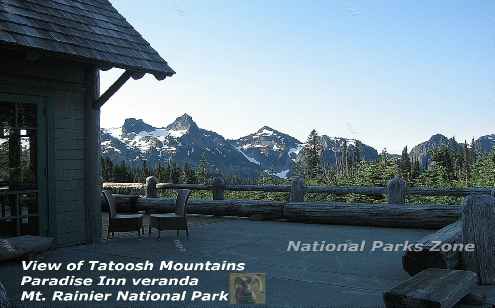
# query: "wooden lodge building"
[51,52]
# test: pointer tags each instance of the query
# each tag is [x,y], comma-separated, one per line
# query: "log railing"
[395,192]
[447,248]
[471,224]
[394,214]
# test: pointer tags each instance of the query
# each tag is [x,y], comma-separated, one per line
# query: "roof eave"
[103,65]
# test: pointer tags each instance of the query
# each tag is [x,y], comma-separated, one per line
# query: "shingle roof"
[92,30]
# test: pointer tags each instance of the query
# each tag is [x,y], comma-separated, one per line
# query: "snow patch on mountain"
[293,152]
[265,131]
[107,145]
[282,174]
[177,133]
[115,132]
[254,161]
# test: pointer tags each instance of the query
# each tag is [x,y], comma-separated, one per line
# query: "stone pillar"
[478,228]
[151,191]
[396,191]
[218,187]
[297,190]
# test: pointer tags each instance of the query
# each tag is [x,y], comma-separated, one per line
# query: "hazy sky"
[390,73]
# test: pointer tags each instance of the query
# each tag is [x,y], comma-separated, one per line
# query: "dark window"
[18,169]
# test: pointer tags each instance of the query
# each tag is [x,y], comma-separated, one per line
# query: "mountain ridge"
[267,150]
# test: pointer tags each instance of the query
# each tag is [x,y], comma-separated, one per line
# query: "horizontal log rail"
[218,186]
[241,208]
[380,215]
[229,187]
[452,192]
[362,190]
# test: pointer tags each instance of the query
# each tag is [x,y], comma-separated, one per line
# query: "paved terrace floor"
[294,279]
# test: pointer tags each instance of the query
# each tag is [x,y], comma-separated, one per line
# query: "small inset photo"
[247,288]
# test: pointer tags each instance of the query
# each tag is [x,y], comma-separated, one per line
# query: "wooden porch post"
[478,228]
[151,191]
[218,187]
[297,190]
[396,191]
[92,169]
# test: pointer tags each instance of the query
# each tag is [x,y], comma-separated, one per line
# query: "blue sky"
[390,73]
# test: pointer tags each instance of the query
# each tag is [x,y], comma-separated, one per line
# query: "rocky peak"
[132,125]
[486,143]
[438,139]
[265,130]
[184,122]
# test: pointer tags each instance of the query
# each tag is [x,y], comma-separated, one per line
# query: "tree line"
[451,166]
[169,172]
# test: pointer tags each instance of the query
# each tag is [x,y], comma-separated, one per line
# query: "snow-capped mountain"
[273,151]
[266,150]
[182,141]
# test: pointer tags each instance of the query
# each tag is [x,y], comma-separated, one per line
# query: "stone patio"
[294,279]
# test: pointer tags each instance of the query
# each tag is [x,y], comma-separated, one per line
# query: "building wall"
[68,147]
[63,87]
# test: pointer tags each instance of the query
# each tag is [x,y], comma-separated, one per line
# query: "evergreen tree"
[145,170]
[165,174]
[188,175]
[175,172]
[444,158]
[359,152]
[474,150]
[344,158]
[405,164]
[467,162]
[311,156]
[415,169]
[121,173]
[106,169]
[202,170]
[158,171]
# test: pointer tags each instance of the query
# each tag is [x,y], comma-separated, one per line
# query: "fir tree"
[145,170]
[175,172]
[188,175]
[106,169]
[405,164]
[202,170]
[311,156]
[415,169]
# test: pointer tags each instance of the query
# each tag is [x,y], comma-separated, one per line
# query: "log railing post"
[151,191]
[478,228]
[396,191]
[297,190]
[218,187]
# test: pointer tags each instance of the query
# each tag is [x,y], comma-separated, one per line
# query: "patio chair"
[173,221]
[122,222]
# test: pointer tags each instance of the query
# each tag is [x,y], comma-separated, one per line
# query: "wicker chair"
[173,221]
[122,222]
